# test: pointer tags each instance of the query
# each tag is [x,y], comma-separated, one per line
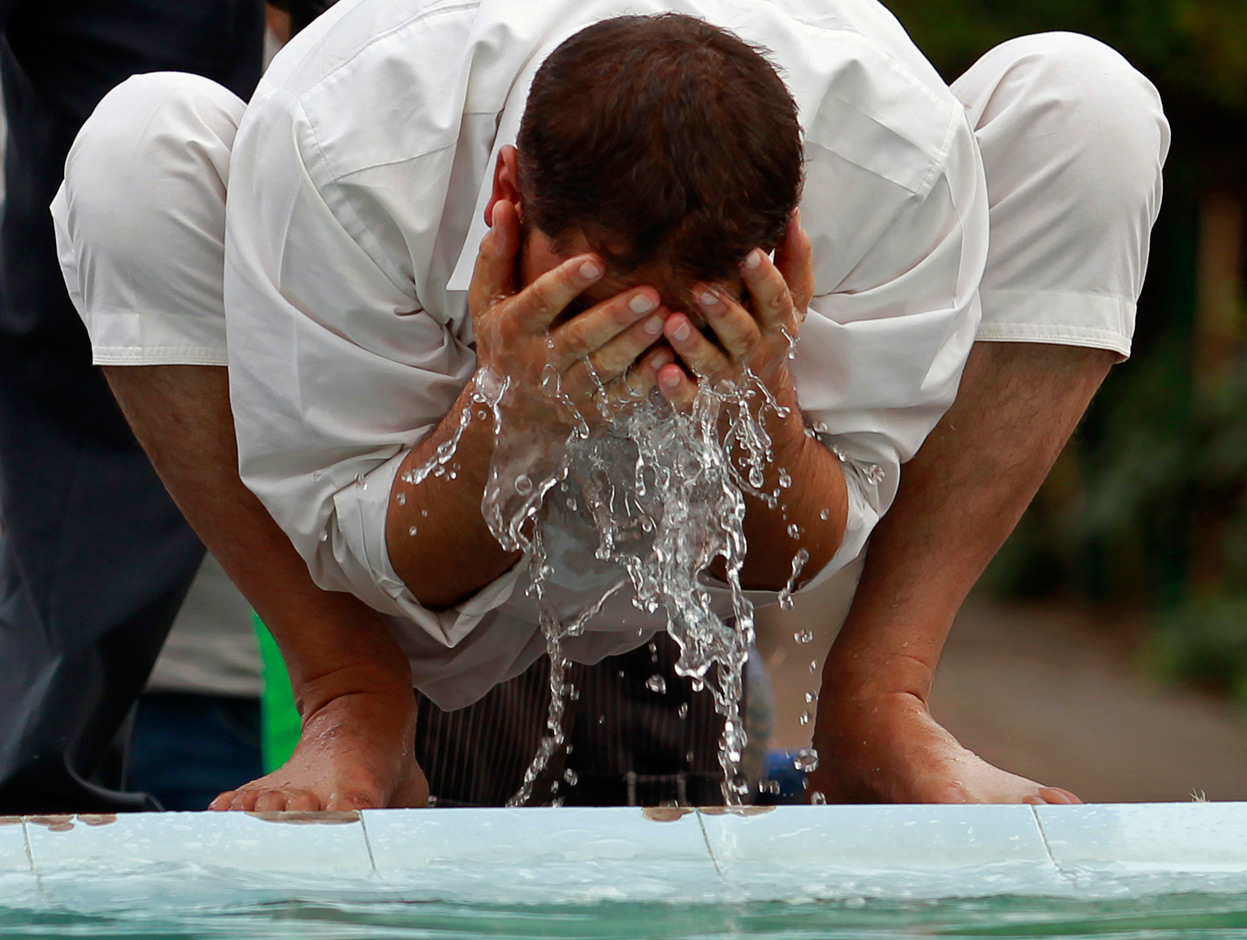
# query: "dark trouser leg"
[94,558]
[94,562]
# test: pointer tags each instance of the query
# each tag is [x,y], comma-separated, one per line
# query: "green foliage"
[1194,48]
[1204,643]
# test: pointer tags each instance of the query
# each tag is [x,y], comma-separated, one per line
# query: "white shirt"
[355,211]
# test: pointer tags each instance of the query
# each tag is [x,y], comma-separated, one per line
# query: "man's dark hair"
[661,137]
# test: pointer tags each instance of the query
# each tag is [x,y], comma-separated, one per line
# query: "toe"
[303,801]
[271,801]
[1057,795]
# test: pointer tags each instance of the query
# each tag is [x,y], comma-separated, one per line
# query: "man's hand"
[562,369]
[756,336]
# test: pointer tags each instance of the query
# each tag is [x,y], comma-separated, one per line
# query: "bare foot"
[354,753]
[895,752]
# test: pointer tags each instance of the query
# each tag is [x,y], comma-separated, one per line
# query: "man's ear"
[506,181]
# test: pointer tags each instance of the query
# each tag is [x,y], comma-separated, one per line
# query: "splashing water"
[798,562]
[662,494]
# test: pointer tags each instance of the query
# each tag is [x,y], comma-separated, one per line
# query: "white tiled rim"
[499,856]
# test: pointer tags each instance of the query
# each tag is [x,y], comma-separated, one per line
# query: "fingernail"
[653,326]
[590,270]
[661,358]
[670,379]
[708,298]
[682,331]
[642,303]
[753,259]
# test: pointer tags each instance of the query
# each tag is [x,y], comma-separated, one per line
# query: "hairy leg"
[352,682]
[959,499]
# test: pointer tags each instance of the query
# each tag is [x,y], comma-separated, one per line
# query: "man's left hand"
[756,337]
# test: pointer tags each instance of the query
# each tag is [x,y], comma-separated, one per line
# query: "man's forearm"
[813,497]
[438,540]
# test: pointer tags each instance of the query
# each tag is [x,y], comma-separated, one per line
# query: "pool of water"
[1166,917]
[1157,872]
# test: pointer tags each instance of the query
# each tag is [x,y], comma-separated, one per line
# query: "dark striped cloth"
[627,745]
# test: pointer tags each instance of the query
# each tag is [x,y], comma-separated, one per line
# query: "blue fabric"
[186,749]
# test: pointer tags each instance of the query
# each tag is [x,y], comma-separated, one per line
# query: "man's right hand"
[562,369]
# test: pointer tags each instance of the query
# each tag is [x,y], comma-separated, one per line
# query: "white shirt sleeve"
[335,369]
[880,355]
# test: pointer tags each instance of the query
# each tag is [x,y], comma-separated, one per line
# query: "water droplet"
[523,485]
[402,499]
[688,757]
[573,695]
[805,718]
[570,776]
[656,684]
[682,711]
[825,515]
[412,530]
[794,531]
[601,719]
[361,482]
[804,636]
[811,697]
[806,760]
[572,505]
[874,474]
[818,799]
[324,536]
[785,479]
[813,666]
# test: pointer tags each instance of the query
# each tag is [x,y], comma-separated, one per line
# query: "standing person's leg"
[1073,140]
[94,557]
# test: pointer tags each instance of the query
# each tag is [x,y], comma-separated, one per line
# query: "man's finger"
[493,278]
[676,386]
[539,304]
[734,326]
[703,357]
[612,359]
[795,260]
[586,333]
[772,301]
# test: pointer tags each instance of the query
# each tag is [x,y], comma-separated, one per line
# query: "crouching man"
[429,202]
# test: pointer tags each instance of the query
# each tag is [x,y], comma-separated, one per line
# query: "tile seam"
[1047,846]
[30,852]
[372,860]
[705,837]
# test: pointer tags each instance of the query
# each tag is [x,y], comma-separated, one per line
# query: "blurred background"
[1106,648]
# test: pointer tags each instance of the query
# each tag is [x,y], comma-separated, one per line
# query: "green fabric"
[279,719]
